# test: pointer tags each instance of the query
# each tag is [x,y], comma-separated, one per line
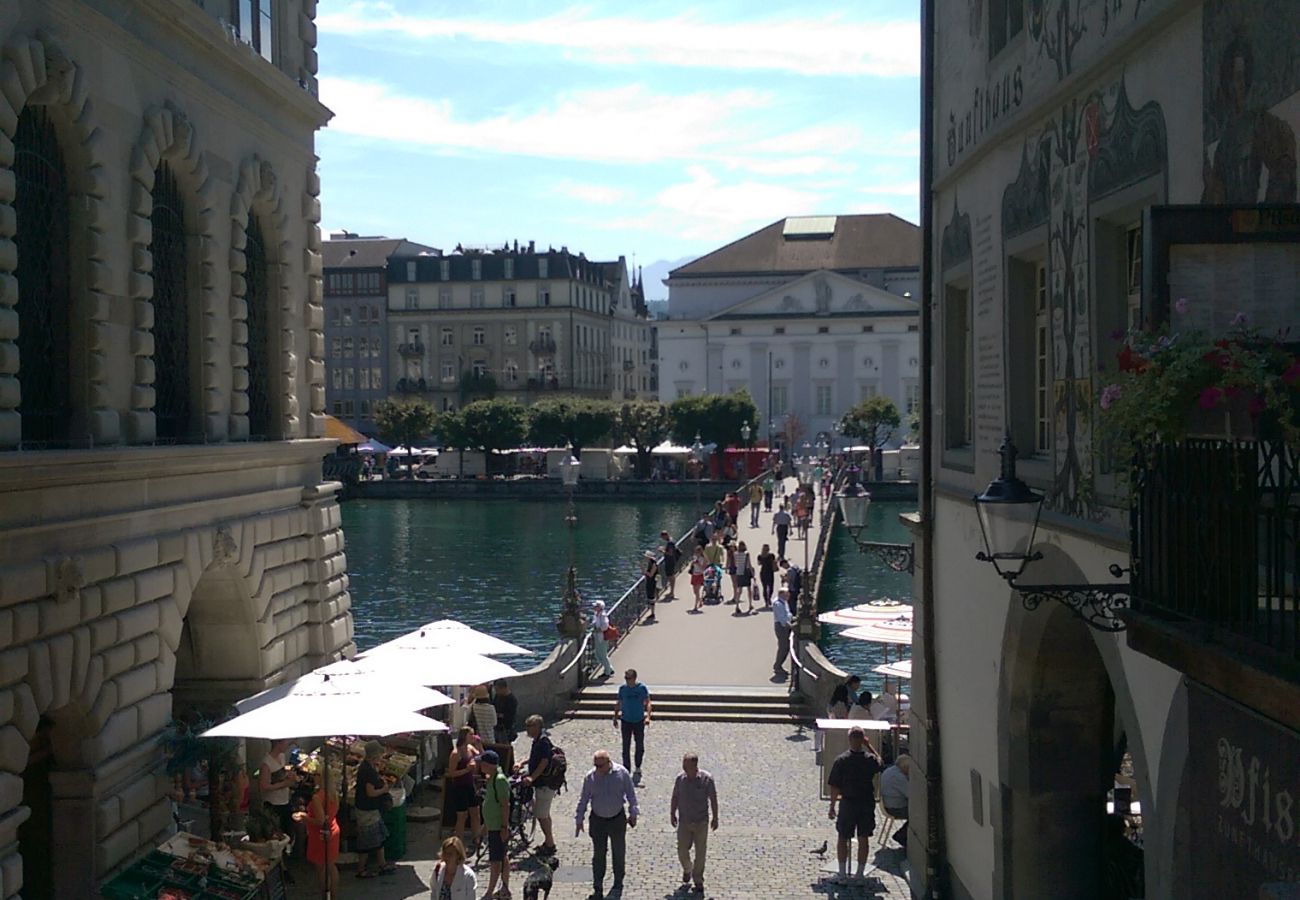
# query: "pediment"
[821,293]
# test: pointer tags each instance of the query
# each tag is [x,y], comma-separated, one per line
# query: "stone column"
[74,800]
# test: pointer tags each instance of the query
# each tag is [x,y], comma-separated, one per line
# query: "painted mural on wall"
[1251,98]
[1093,147]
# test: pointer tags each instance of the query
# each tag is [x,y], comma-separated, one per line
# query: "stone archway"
[1065,716]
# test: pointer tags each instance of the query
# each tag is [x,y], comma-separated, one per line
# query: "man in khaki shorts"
[539,760]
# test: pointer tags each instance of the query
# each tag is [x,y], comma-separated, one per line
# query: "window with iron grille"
[171,310]
[1042,372]
[44,287]
[258,297]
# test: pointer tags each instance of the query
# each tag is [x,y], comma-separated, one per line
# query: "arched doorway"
[219,655]
[1064,735]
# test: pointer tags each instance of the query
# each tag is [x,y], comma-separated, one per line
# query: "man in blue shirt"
[632,713]
[606,787]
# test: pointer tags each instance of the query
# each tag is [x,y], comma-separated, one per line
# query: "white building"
[1060,132]
[810,315]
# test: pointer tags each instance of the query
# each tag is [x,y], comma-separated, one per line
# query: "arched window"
[171,311]
[257,294]
[44,281]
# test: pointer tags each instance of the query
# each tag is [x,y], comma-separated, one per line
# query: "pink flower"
[1211,397]
[1181,305]
[1109,394]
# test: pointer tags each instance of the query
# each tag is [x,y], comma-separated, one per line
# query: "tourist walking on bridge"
[599,625]
[672,556]
[769,488]
[651,573]
[782,621]
[755,498]
[781,528]
[767,572]
[632,715]
[699,564]
[694,796]
[537,775]
[606,788]
[744,577]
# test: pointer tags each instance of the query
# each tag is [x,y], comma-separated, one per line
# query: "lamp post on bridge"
[745,433]
[697,455]
[570,623]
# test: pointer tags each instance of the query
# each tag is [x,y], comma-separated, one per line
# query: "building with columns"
[166,542]
[810,315]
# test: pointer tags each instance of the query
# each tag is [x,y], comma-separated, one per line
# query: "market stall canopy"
[886,631]
[344,434]
[345,681]
[625,450]
[414,451]
[668,448]
[374,446]
[900,669]
[434,665]
[452,635]
[866,613]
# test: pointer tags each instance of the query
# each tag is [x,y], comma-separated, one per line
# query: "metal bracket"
[899,557]
[1095,604]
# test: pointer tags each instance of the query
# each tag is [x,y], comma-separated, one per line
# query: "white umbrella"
[435,665]
[866,613]
[897,630]
[448,634]
[900,669]
[346,681]
[625,450]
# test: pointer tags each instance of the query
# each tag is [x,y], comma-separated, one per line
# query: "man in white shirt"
[894,792]
[782,621]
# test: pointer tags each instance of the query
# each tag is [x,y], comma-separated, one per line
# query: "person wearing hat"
[599,623]
[853,787]
[651,581]
[371,830]
[496,822]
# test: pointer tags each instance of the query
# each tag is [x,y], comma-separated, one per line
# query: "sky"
[655,130]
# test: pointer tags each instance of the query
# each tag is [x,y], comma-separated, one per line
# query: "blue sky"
[657,129]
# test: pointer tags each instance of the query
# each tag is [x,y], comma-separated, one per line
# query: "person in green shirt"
[769,488]
[715,553]
[496,820]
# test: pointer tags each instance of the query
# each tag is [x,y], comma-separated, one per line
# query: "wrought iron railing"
[1216,543]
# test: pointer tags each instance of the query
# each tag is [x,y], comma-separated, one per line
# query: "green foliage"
[644,424]
[489,425]
[404,423]
[873,421]
[716,418]
[476,387]
[570,422]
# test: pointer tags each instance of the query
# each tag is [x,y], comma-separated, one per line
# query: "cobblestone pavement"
[770,820]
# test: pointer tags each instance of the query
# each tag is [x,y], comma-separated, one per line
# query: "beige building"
[518,323]
[160,304]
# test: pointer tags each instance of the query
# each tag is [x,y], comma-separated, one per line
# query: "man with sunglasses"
[606,788]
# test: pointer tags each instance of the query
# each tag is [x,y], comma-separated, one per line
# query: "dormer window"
[476,269]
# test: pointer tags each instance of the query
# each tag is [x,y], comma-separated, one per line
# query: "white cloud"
[806,45]
[624,124]
[597,194]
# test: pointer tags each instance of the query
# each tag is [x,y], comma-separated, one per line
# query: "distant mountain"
[653,275]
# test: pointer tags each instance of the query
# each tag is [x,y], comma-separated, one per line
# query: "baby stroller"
[713,585]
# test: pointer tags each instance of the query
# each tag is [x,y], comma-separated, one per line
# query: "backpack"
[556,769]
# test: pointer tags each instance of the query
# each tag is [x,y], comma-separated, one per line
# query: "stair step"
[789,717]
[698,705]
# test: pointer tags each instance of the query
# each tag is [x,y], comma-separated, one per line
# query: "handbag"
[611,633]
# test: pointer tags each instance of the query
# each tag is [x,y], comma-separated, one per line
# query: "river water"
[498,565]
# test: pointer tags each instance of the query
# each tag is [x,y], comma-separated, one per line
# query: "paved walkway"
[714,646]
[770,821]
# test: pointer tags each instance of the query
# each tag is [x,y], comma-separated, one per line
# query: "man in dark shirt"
[539,760]
[793,581]
[672,556]
[852,784]
[507,707]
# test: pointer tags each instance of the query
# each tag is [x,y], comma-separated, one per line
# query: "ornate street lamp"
[835,433]
[855,501]
[1008,512]
[570,623]
[745,433]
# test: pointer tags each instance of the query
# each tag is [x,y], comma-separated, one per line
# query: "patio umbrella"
[452,635]
[866,613]
[345,682]
[434,665]
[374,446]
[900,669]
[897,630]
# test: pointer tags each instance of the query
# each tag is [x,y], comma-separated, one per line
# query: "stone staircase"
[676,703]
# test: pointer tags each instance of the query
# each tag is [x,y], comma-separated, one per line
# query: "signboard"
[1234,265]
[1241,799]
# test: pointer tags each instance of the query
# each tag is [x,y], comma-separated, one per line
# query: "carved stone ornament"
[224,549]
[68,580]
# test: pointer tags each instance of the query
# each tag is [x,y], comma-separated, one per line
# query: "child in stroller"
[713,585]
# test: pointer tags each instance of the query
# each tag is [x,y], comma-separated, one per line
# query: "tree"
[451,431]
[404,423]
[474,386]
[490,425]
[570,422]
[873,421]
[716,418]
[644,424]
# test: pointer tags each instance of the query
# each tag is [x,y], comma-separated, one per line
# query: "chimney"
[530,247]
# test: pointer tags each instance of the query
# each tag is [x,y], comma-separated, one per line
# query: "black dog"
[538,883]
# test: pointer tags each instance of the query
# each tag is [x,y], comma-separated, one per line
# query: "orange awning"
[344,434]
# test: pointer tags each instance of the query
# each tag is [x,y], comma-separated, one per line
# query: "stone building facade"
[1059,131]
[160,304]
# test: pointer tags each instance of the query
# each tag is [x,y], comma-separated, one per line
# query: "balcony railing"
[627,365]
[412,349]
[1216,544]
[542,345]
[411,385]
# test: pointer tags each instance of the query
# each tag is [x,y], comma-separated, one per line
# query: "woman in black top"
[671,557]
[371,830]
[767,572]
[651,582]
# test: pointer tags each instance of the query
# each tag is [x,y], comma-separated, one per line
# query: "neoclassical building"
[166,543]
[811,315]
